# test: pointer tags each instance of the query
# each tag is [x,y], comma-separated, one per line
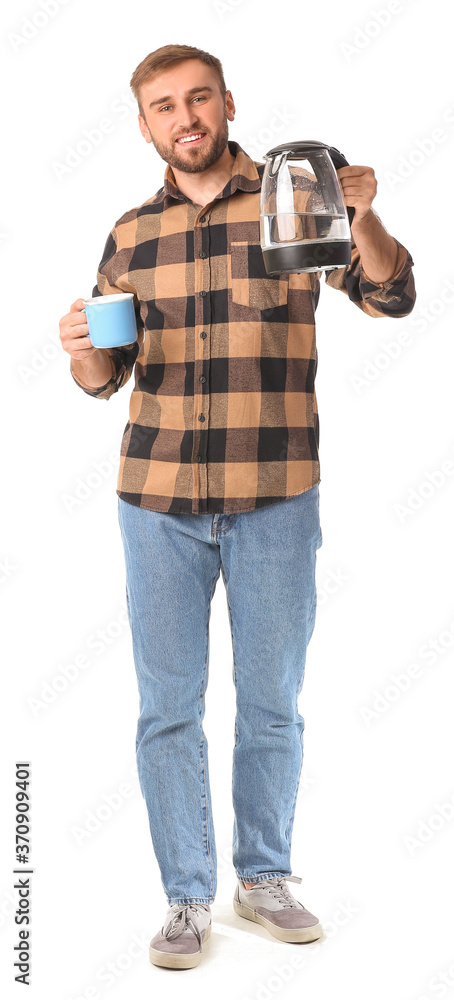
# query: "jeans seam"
[289,827]
[207,844]
[261,878]
[235,732]
[233,640]
[183,900]
[222,530]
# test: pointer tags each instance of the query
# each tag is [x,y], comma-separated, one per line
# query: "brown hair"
[164,58]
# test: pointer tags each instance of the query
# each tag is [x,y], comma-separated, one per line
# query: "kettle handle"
[340,161]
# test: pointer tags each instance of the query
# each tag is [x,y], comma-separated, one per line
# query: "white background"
[373,830]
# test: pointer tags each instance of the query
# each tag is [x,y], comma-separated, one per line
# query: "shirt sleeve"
[394,297]
[112,277]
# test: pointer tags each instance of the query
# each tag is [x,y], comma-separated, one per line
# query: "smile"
[194,138]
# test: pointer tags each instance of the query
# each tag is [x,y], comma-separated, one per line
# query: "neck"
[201,188]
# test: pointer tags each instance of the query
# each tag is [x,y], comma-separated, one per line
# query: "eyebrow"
[168,97]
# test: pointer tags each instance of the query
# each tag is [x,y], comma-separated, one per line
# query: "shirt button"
[202,218]
[202,253]
[202,378]
[203,335]
[202,418]
[198,458]
[203,293]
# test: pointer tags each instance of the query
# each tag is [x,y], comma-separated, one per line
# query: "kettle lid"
[307,146]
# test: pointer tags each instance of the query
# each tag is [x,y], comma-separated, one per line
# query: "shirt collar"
[244,177]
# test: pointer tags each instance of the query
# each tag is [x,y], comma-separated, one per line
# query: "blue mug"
[111,320]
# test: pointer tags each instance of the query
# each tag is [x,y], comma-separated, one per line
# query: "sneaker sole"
[292,934]
[175,960]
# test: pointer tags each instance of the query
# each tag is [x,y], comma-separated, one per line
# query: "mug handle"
[86,334]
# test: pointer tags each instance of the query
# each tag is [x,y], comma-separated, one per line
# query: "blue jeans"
[173,561]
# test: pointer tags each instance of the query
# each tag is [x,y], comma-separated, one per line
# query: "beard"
[202,158]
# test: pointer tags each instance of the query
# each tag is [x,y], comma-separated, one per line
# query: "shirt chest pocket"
[251,285]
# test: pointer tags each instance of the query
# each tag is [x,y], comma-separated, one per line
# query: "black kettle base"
[310,257]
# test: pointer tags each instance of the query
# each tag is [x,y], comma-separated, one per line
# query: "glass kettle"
[304,222]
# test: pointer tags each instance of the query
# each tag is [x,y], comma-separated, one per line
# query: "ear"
[144,129]
[229,105]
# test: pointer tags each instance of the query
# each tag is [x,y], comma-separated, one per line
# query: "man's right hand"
[73,333]
[90,365]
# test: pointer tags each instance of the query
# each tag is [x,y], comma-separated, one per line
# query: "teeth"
[191,139]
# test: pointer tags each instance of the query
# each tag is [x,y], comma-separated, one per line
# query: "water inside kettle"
[307,227]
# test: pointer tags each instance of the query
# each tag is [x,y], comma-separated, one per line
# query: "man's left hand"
[359,187]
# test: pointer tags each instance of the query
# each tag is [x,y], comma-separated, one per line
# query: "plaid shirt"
[223,414]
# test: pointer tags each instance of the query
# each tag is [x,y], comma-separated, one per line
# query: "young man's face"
[182,101]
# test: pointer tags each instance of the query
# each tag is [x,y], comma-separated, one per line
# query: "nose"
[187,117]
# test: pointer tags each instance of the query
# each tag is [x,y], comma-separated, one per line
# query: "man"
[219,472]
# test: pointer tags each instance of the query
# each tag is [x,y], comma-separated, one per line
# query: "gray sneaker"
[271,904]
[182,938]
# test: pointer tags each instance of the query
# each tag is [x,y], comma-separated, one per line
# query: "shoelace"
[182,919]
[282,891]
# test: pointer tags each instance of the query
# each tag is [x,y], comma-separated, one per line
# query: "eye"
[201,98]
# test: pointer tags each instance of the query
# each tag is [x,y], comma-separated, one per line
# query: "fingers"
[74,332]
[70,332]
[74,323]
[77,306]
[78,329]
